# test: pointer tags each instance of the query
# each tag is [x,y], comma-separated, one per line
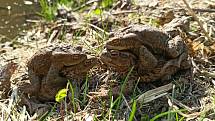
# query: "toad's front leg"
[147,61]
[53,77]
[51,84]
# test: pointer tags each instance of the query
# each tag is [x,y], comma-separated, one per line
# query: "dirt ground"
[191,94]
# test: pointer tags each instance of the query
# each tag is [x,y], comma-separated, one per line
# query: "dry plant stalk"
[196,19]
[154,94]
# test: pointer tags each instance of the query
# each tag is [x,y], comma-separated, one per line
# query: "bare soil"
[192,94]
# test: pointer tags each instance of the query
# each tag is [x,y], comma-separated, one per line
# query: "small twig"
[175,101]
[85,4]
[204,10]
[207,74]
[197,19]
[33,21]
[53,36]
[100,29]
[4,36]
[171,100]
[124,12]
[191,115]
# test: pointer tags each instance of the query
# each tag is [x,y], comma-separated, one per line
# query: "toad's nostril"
[88,61]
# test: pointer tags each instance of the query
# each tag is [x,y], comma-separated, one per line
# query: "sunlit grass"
[72,98]
[133,111]
[85,91]
[163,114]
[115,104]
[47,10]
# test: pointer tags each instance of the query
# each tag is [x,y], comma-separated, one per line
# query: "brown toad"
[48,90]
[45,65]
[152,38]
[157,54]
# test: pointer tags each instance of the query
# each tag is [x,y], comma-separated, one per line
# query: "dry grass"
[190,99]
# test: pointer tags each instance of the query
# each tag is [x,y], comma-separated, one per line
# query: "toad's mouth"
[115,47]
[119,45]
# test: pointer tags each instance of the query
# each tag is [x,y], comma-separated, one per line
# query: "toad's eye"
[76,56]
[115,54]
[123,55]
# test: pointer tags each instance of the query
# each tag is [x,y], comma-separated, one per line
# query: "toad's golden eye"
[76,56]
[114,54]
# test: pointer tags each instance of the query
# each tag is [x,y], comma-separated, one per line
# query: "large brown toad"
[154,39]
[157,54]
[46,66]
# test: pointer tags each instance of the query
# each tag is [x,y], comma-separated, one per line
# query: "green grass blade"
[72,96]
[47,114]
[182,119]
[126,79]
[133,111]
[164,114]
[86,88]
[123,87]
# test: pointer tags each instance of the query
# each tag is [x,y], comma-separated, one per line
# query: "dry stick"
[204,10]
[207,108]
[4,36]
[179,103]
[197,19]
[124,12]
[100,29]
[86,4]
